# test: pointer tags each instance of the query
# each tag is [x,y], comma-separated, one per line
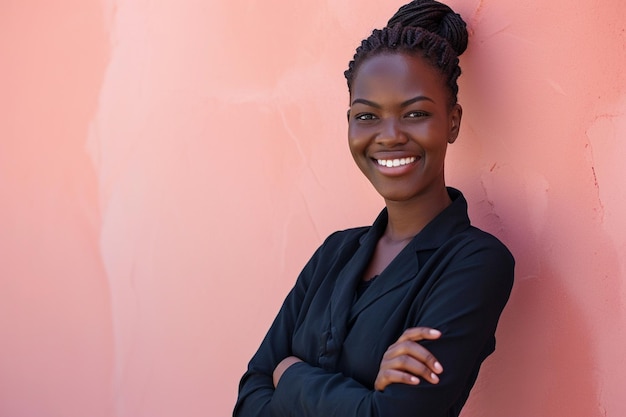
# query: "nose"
[391,133]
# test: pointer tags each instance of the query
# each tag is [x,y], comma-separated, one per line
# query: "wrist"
[282,367]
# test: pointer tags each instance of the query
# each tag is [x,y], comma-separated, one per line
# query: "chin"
[397,197]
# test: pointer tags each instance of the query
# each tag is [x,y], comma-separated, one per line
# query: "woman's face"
[400,123]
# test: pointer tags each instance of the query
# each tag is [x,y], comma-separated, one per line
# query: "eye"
[365,116]
[417,114]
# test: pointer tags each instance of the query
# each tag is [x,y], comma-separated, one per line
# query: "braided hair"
[425,27]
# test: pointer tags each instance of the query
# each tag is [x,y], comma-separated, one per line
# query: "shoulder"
[471,258]
[470,239]
[484,262]
[340,246]
[343,239]
[479,241]
[478,238]
[333,253]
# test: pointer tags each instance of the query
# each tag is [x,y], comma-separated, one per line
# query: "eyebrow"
[403,104]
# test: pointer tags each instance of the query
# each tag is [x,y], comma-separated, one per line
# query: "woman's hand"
[282,367]
[406,361]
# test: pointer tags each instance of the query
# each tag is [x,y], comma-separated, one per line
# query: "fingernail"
[415,380]
[434,332]
[434,377]
[438,367]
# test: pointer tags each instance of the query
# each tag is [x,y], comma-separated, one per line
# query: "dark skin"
[400,123]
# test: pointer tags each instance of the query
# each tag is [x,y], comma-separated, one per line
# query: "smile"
[395,162]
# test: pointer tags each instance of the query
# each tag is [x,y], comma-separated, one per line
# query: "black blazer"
[451,276]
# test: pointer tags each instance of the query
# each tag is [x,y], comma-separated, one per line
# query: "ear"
[455,122]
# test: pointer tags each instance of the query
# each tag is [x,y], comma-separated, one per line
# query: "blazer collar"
[405,266]
[452,220]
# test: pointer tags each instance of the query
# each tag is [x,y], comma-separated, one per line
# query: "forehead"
[399,74]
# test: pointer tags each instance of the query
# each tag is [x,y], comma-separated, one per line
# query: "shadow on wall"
[530,109]
[549,357]
[538,370]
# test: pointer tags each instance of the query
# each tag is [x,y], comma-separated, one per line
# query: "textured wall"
[145,146]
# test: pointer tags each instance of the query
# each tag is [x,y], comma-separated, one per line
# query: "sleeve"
[256,387]
[465,304]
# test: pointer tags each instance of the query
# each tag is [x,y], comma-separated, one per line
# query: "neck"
[407,218]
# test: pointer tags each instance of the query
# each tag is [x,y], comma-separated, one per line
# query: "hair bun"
[434,17]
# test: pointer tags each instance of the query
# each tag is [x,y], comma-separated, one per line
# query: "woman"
[393,319]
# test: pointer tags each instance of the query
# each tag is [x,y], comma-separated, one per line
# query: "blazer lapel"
[342,297]
[404,268]
[400,271]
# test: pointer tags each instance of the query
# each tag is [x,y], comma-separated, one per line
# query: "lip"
[395,165]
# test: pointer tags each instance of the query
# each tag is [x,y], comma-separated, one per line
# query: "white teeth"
[395,162]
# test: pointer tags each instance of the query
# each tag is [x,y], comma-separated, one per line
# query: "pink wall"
[145,145]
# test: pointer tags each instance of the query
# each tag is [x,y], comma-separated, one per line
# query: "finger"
[416,351]
[419,333]
[412,366]
[394,376]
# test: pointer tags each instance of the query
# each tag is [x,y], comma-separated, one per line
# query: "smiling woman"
[399,126]
[393,319]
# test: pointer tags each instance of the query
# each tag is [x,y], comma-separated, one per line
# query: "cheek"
[355,149]
[355,143]
[434,136]
[358,151]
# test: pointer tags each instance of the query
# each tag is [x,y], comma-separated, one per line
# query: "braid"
[424,27]
[434,17]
